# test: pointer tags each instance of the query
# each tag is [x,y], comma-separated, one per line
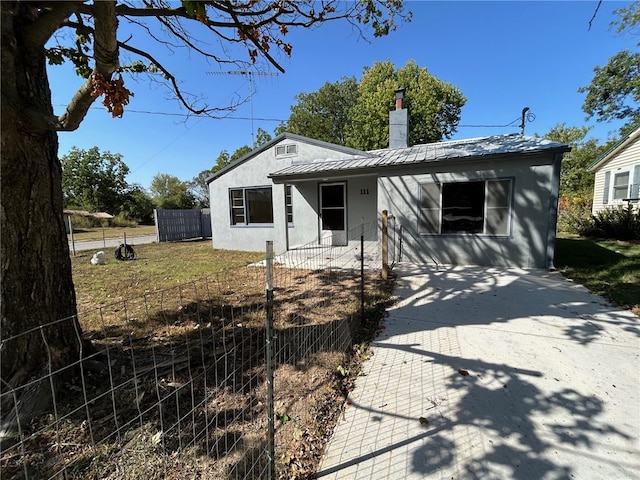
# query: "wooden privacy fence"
[176,225]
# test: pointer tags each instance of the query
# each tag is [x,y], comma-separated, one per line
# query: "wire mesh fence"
[173,384]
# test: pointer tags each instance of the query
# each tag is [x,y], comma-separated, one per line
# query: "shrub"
[121,221]
[619,223]
[574,214]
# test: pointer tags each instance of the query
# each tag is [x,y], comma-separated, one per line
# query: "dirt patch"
[177,386]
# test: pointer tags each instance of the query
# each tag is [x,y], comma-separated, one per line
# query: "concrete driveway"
[494,373]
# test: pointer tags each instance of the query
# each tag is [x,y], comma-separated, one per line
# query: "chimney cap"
[399,93]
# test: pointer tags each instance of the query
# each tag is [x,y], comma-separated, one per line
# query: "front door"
[333,213]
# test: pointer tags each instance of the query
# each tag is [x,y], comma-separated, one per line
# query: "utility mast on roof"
[250,76]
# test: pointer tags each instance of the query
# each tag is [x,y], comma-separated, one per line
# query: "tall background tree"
[324,114]
[169,192]
[434,106]
[37,293]
[614,91]
[94,180]
[137,205]
[575,181]
[357,114]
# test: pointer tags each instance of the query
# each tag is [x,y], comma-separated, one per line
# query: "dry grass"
[181,336]
[98,233]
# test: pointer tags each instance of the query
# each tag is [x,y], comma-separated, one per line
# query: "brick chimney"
[399,123]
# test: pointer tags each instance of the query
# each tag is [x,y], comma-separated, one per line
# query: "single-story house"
[481,201]
[617,174]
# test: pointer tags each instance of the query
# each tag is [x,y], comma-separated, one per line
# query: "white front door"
[333,213]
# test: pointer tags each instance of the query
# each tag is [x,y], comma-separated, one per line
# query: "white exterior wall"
[628,158]
[254,173]
[526,247]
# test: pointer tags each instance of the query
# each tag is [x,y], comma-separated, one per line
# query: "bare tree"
[39,330]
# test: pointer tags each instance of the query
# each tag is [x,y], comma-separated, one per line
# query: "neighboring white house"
[617,178]
[481,201]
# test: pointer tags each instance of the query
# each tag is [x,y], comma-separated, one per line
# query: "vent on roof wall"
[290,149]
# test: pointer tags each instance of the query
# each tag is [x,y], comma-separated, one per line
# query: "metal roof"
[468,149]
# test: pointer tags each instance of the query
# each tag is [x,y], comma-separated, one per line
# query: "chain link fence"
[187,382]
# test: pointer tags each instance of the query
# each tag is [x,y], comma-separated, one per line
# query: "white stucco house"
[481,201]
[617,174]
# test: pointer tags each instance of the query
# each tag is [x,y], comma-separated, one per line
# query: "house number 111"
[364,191]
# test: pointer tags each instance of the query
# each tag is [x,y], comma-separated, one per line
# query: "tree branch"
[49,18]
[167,75]
[593,17]
[105,52]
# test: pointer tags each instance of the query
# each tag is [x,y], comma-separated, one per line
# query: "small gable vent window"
[290,149]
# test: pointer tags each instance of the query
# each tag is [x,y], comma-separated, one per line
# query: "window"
[290,149]
[251,206]
[481,207]
[620,184]
[288,199]
[620,188]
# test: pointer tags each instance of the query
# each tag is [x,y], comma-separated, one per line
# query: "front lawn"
[610,268]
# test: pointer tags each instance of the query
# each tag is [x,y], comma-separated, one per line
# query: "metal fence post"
[362,273]
[269,364]
[385,244]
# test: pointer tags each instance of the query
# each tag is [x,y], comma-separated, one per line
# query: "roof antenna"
[524,113]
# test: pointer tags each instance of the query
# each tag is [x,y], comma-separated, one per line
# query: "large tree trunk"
[39,330]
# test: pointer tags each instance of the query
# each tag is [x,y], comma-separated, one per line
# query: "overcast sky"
[503,56]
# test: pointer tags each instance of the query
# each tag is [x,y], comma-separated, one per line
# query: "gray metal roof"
[463,150]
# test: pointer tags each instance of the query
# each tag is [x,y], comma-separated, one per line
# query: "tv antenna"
[526,117]
[250,76]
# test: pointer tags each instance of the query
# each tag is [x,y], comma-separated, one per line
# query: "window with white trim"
[288,198]
[620,185]
[251,206]
[480,207]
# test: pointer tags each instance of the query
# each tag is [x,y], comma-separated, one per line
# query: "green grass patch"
[610,268]
[157,266]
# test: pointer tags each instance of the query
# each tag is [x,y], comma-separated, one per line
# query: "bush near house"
[574,214]
[621,222]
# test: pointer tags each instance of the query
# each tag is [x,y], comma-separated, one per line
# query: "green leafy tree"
[357,114]
[37,286]
[614,91]
[324,114]
[575,180]
[434,106]
[169,192]
[94,180]
[137,205]
[199,189]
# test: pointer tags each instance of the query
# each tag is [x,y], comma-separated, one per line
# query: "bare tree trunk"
[39,332]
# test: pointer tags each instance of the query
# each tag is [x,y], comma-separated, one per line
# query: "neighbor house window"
[620,187]
[482,207]
[288,198]
[290,149]
[251,206]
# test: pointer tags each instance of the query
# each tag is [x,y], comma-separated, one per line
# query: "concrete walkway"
[494,373]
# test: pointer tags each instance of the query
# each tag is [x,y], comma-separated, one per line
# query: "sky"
[502,55]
